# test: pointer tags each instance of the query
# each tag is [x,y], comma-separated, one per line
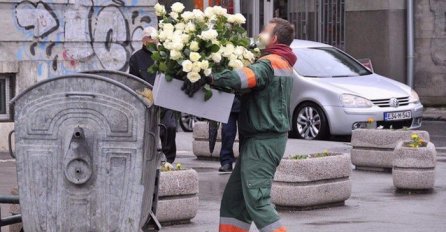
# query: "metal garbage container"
[86,150]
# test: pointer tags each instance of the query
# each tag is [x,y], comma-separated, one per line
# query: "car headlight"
[353,101]
[414,98]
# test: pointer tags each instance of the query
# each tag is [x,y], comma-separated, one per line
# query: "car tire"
[312,124]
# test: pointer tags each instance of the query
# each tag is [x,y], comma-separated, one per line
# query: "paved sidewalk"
[435,114]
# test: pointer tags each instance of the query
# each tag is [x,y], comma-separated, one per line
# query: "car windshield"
[327,62]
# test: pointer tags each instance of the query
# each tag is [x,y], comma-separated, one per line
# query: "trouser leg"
[234,216]
[228,134]
[259,160]
[168,135]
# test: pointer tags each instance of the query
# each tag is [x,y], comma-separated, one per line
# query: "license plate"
[401,115]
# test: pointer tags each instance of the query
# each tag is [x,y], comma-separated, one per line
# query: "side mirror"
[367,62]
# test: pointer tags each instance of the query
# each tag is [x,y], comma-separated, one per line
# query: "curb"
[434,119]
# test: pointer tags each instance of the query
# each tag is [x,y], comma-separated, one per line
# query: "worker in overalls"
[264,122]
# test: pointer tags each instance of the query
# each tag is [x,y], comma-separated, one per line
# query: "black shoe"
[225,168]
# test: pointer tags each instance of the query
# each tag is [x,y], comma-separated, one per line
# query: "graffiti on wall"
[86,34]
[438,43]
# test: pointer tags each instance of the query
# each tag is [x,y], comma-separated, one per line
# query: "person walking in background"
[228,134]
[139,63]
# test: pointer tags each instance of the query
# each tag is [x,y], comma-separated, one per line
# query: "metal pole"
[237,6]
[410,42]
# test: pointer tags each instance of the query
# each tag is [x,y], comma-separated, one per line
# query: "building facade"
[47,38]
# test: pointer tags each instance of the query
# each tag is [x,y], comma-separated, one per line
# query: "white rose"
[237,19]
[216,57]
[194,46]
[196,67]
[218,10]
[228,50]
[178,7]
[187,16]
[177,45]
[187,66]
[174,15]
[246,62]
[208,72]
[209,12]
[168,45]
[193,77]
[164,35]
[199,15]
[210,34]
[204,64]
[233,57]
[215,41]
[175,55]
[160,10]
[248,55]
[168,27]
[190,27]
[194,56]
[185,38]
[180,26]
[239,51]
[236,64]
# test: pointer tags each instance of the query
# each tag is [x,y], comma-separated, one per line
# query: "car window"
[327,62]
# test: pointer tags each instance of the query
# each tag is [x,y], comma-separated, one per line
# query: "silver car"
[334,94]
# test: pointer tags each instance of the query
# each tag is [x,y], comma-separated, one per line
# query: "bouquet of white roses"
[194,44]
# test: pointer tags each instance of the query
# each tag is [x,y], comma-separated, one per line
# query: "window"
[7,91]
[327,62]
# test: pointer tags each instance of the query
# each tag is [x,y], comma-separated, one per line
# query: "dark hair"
[284,31]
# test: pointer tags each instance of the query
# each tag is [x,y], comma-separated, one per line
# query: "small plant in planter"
[373,149]
[177,195]
[414,164]
[312,181]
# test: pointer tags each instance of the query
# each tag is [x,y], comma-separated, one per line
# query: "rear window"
[327,62]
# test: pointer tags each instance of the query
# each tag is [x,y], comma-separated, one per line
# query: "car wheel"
[187,122]
[310,122]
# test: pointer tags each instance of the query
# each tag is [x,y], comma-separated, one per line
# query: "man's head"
[277,31]
[148,36]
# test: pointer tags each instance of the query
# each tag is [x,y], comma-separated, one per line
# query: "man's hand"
[147,95]
[191,88]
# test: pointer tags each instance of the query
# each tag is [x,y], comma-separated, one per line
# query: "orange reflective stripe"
[250,77]
[280,229]
[277,62]
[230,228]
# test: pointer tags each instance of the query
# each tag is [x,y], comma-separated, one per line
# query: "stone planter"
[178,197]
[312,182]
[373,148]
[170,96]
[414,168]
[200,144]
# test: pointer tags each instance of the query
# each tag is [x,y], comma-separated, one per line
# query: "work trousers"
[246,198]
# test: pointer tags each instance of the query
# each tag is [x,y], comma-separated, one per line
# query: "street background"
[373,206]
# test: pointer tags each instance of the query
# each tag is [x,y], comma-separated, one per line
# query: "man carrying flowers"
[263,127]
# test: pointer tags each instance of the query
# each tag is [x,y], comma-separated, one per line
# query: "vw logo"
[394,102]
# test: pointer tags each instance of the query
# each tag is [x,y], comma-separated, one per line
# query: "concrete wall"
[376,30]
[430,51]
[48,38]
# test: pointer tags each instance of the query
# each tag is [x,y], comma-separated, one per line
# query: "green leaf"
[151,47]
[207,92]
[214,48]
[169,78]
[153,69]
[162,67]
[156,56]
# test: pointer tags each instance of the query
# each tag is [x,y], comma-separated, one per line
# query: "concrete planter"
[414,168]
[373,148]
[313,182]
[178,196]
[200,144]
[170,96]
